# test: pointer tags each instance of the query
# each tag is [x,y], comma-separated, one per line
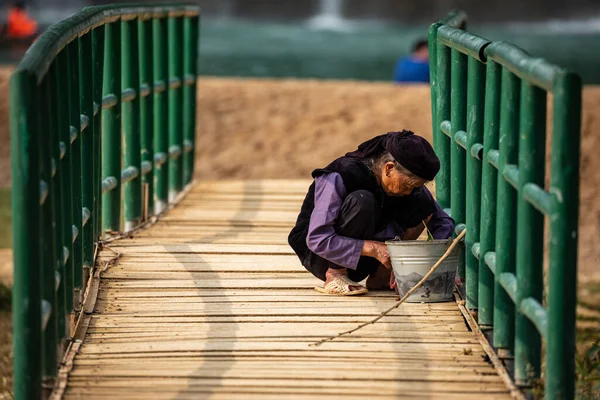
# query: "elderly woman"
[359,201]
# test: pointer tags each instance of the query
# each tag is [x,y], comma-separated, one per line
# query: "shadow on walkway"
[210,371]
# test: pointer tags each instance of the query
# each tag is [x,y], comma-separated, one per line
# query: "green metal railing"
[489,103]
[102,117]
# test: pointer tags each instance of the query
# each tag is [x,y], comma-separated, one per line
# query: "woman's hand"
[377,250]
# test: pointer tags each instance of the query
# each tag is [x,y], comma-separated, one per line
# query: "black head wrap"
[412,151]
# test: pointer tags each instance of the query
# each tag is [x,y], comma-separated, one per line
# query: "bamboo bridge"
[133,280]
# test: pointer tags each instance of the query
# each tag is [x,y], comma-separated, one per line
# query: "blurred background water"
[352,39]
[369,50]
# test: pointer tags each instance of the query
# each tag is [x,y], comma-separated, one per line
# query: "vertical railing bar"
[97,74]
[530,231]
[458,115]
[146,103]
[194,89]
[475,105]
[189,96]
[58,192]
[131,122]
[26,306]
[111,127]
[432,44]
[175,93]
[75,121]
[195,50]
[562,292]
[442,147]
[488,197]
[62,92]
[161,112]
[86,103]
[504,309]
[48,236]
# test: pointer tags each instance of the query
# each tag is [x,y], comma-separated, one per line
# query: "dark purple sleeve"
[441,225]
[322,238]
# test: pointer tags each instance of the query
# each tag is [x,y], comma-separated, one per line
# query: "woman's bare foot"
[331,274]
[379,280]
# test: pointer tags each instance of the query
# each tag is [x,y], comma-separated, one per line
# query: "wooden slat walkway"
[211,303]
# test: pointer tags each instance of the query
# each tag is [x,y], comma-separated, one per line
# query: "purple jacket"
[323,240]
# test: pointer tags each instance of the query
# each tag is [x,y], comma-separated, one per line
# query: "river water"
[369,50]
[327,46]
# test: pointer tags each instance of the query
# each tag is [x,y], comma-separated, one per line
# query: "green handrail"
[439,107]
[489,130]
[89,116]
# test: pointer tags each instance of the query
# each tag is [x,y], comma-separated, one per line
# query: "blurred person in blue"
[414,68]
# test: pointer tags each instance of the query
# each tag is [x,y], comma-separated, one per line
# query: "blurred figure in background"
[414,68]
[19,24]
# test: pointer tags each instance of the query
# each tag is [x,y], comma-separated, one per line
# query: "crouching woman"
[359,201]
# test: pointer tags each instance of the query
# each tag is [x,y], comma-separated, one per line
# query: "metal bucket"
[412,259]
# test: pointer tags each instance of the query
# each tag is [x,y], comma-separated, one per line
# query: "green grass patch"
[594,287]
[588,372]
[588,344]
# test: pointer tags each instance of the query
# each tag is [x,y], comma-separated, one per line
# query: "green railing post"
[505,230]
[564,186]
[161,113]
[455,19]
[190,44]
[58,187]
[88,156]
[64,137]
[111,123]
[504,308]
[130,109]
[475,105]
[432,45]
[175,52]
[48,256]
[146,104]
[442,180]
[64,91]
[487,242]
[530,230]
[457,154]
[26,309]
[75,140]
[97,74]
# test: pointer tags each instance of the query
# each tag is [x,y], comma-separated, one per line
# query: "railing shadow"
[213,371]
[207,376]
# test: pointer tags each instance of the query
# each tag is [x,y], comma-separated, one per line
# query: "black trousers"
[360,218]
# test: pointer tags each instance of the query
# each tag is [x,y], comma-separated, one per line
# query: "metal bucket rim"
[416,242]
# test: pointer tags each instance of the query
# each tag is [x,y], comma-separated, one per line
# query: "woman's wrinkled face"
[395,183]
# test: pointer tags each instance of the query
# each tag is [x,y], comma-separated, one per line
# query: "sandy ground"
[273,129]
[286,128]
[6,267]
